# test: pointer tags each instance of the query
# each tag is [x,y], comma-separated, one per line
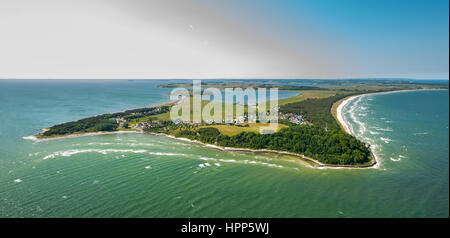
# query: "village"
[240,121]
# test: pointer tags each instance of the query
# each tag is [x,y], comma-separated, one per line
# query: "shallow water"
[139,175]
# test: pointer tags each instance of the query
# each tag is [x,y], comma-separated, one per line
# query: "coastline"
[316,163]
[339,112]
[35,138]
[345,125]
[342,103]
[375,162]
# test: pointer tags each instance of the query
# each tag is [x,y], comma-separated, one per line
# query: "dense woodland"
[323,141]
[91,124]
[317,110]
[146,111]
[329,147]
[105,122]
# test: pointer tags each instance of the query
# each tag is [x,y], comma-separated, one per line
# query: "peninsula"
[309,126]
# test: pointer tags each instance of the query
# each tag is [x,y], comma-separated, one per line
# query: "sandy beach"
[34,138]
[347,127]
[342,104]
[339,114]
[316,163]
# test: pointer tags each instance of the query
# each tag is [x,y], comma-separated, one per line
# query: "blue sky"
[224,39]
[386,37]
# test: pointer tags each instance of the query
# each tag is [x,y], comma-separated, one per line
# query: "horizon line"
[234,78]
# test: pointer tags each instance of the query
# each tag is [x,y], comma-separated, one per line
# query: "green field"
[231,130]
[321,137]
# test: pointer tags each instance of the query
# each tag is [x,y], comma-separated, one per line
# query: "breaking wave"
[420,133]
[386,140]
[400,157]
[381,129]
[353,113]
[68,153]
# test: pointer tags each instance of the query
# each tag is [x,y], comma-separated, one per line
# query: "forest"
[323,141]
[315,110]
[92,124]
[329,147]
[320,138]
[105,122]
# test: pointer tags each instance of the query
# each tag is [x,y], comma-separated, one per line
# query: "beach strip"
[35,138]
[339,114]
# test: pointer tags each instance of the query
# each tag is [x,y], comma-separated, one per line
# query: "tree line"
[329,147]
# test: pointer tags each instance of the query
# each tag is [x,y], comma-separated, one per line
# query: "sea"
[141,175]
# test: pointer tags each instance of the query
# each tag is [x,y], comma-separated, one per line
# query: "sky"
[161,39]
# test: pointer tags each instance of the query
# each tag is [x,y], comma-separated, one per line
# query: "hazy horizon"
[156,39]
[206,79]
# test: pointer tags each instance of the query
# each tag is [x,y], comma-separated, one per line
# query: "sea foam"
[68,153]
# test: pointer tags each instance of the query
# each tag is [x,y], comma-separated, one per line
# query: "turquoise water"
[137,175]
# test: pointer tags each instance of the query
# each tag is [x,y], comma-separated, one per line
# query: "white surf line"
[340,116]
[346,126]
[346,101]
[318,165]
[34,138]
[349,131]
